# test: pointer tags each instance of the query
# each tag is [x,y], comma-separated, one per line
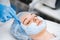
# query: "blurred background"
[49,11]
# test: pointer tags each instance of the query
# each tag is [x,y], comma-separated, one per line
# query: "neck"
[44,35]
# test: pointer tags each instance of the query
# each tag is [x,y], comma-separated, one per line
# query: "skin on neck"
[44,35]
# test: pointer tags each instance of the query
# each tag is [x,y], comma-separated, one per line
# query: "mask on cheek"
[33,28]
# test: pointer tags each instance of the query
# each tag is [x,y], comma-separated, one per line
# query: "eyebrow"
[24,20]
[28,22]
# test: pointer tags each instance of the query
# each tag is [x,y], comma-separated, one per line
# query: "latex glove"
[6,13]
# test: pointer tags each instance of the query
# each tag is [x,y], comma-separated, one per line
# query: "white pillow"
[50,3]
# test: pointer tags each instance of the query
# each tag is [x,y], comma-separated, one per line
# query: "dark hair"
[26,1]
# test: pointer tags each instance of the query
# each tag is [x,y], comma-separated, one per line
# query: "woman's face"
[35,25]
[27,19]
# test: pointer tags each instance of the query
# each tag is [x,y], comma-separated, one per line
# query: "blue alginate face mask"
[33,28]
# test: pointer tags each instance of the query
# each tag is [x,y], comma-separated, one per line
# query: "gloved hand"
[6,13]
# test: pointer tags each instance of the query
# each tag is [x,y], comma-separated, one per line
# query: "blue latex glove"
[6,13]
